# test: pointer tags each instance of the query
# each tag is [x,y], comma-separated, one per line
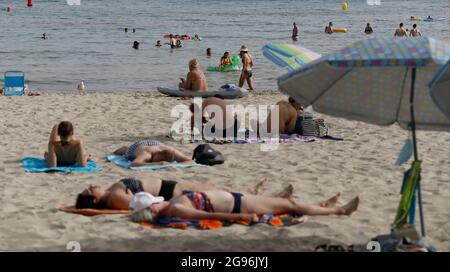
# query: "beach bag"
[205,154]
[314,127]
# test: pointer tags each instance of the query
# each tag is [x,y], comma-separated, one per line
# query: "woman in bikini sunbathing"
[225,205]
[63,147]
[119,195]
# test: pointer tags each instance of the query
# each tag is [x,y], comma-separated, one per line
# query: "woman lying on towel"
[63,147]
[151,152]
[224,205]
[119,195]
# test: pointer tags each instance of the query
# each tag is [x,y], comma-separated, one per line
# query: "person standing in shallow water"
[415,32]
[136,45]
[368,29]
[400,31]
[208,52]
[247,67]
[295,32]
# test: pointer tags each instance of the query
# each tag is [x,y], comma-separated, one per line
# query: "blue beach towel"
[38,165]
[125,163]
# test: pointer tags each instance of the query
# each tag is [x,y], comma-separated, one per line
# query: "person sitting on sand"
[415,32]
[152,152]
[400,31]
[225,60]
[63,147]
[288,118]
[222,205]
[119,195]
[195,79]
[329,28]
[227,127]
[158,43]
[368,30]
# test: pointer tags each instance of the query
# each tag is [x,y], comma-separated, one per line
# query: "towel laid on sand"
[90,212]
[283,220]
[38,165]
[284,138]
[125,163]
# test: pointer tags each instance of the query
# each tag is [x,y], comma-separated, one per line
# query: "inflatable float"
[235,60]
[181,37]
[340,30]
[225,93]
[434,19]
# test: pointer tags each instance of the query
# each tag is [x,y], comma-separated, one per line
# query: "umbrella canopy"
[379,81]
[440,89]
[370,81]
[289,56]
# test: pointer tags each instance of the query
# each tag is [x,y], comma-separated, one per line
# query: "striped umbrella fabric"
[289,56]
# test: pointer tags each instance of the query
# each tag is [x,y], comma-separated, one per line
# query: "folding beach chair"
[407,205]
[14,83]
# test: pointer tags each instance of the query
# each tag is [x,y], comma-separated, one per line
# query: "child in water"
[225,60]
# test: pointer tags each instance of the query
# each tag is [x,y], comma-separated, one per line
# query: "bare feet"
[350,207]
[330,202]
[286,192]
[259,185]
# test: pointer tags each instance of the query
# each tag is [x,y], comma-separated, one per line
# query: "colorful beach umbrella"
[440,89]
[289,56]
[380,81]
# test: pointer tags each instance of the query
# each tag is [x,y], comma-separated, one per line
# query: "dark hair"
[167,155]
[87,202]
[401,24]
[65,129]
[414,25]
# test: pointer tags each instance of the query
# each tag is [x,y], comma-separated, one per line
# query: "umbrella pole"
[416,156]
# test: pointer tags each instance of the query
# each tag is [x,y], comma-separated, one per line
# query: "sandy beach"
[362,164]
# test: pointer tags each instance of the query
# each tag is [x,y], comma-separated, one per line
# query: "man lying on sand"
[224,205]
[227,127]
[289,118]
[63,147]
[152,152]
[119,195]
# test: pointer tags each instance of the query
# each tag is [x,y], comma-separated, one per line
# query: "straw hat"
[244,48]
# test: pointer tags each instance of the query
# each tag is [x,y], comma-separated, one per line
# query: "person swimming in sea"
[136,45]
[178,44]
[158,43]
[44,36]
[225,60]
[208,52]
[329,28]
[368,30]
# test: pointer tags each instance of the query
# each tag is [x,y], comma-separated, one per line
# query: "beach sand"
[362,164]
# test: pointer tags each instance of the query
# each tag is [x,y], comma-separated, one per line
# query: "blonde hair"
[144,215]
[193,63]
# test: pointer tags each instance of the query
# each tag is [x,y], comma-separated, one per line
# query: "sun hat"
[144,200]
[243,48]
